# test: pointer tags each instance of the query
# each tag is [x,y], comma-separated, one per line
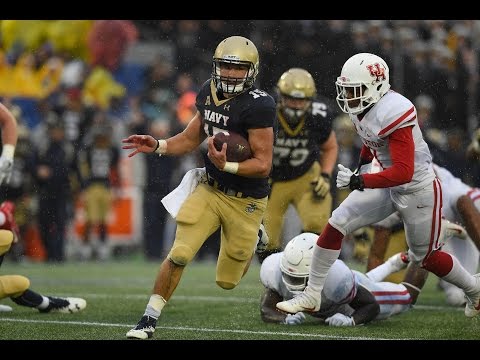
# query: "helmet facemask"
[360,94]
[294,114]
[230,85]
[294,283]
[235,50]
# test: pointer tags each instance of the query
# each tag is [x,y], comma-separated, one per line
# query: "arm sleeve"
[402,149]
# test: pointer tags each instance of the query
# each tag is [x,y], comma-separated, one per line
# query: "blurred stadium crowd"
[78,86]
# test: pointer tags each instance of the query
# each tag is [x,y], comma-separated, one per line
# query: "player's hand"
[295,319]
[340,320]
[321,186]
[218,158]
[343,177]
[6,166]
[141,143]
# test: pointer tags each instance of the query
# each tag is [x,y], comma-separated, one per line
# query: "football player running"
[234,194]
[304,157]
[16,287]
[349,297]
[387,124]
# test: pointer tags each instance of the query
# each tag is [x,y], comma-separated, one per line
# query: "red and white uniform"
[341,285]
[453,188]
[385,133]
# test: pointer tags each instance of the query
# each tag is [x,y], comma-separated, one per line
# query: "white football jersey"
[394,111]
[340,288]
[453,188]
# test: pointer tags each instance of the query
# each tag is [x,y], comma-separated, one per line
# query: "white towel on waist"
[174,200]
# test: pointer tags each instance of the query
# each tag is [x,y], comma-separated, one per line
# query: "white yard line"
[232,299]
[183,328]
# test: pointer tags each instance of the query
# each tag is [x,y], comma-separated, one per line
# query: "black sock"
[29,298]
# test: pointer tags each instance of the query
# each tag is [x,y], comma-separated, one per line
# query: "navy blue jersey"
[298,146]
[251,109]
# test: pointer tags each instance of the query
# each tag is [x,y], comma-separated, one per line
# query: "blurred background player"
[349,297]
[100,179]
[304,156]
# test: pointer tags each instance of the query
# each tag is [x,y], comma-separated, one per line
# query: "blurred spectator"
[108,41]
[53,163]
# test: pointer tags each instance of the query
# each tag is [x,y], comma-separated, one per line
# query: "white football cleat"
[450,229]
[472,308]
[65,305]
[5,308]
[302,302]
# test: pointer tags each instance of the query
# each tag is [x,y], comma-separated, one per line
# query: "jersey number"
[295,157]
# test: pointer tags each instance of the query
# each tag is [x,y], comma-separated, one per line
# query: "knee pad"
[226,285]
[6,239]
[13,285]
[181,255]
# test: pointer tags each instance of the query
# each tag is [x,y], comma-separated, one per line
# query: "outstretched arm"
[186,141]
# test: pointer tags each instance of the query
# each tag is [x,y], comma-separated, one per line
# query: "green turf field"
[117,292]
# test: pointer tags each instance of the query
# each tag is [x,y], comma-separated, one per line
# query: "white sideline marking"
[86,323]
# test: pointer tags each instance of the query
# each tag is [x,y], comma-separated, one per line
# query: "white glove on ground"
[343,177]
[295,319]
[340,320]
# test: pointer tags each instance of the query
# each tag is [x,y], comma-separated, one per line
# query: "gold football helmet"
[240,51]
[296,89]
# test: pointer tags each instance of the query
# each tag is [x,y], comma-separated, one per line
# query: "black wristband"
[356,182]
[158,144]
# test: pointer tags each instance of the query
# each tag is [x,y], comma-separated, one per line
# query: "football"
[238,148]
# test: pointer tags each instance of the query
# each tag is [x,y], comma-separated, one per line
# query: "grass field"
[117,292]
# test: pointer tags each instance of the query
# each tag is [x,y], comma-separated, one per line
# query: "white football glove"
[295,319]
[343,177]
[6,166]
[340,320]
